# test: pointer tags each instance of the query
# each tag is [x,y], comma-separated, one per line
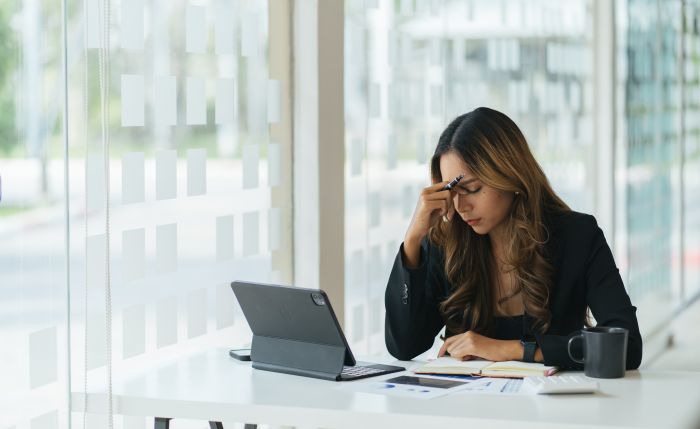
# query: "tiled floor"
[684,354]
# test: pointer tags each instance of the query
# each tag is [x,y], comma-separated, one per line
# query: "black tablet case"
[292,333]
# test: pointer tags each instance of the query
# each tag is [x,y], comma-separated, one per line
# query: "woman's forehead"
[452,165]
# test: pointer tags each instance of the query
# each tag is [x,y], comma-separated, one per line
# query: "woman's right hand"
[433,204]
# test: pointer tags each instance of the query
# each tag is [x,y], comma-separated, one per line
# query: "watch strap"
[529,349]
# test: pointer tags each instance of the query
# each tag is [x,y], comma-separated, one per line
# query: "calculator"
[560,384]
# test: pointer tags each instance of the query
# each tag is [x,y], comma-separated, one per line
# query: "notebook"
[485,368]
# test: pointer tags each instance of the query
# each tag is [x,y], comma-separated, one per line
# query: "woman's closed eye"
[465,191]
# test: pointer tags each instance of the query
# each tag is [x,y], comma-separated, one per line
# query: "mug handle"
[568,348]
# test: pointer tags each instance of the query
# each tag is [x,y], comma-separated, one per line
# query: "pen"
[450,185]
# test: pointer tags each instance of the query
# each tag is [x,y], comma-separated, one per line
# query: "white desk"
[212,386]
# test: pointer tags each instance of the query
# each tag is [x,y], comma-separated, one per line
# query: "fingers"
[460,346]
[443,349]
[445,345]
[436,186]
[437,205]
[439,195]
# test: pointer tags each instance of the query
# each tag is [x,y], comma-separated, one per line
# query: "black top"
[509,328]
[585,277]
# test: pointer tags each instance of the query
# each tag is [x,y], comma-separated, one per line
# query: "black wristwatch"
[529,348]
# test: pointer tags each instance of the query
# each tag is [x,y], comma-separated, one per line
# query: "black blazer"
[586,277]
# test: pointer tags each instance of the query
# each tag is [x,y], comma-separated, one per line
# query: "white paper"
[133,180]
[43,357]
[196,102]
[196,313]
[274,164]
[251,159]
[45,421]
[166,322]
[223,28]
[195,29]
[165,101]
[249,34]
[251,233]
[225,306]
[133,253]
[133,331]
[392,385]
[495,386]
[166,174]
[196,172]
[225,101]
[166,247]
[275,225]
[132,100]
[224,238]
[92,23]
[274,103]
[132,25]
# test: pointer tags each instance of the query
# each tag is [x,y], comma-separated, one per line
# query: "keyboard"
[560,384]
[366,369]
[359,371]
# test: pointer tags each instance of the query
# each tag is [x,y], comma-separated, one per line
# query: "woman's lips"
[473,222]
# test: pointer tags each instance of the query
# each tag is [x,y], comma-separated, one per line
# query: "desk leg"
[216,425]
[162,422]
[250,426]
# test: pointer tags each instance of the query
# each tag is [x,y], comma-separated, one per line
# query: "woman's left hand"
[470,345]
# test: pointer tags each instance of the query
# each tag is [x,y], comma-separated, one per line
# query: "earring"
[517,192]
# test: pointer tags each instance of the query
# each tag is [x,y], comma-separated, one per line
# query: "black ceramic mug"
[604,351]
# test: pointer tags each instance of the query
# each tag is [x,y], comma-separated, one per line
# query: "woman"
[500,259]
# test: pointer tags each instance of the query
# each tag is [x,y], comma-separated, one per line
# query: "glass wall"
[32,224]
[691,145]
[178,167]
[657,163]
[410,68]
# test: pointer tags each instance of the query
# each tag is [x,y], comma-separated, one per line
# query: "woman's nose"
[462,204]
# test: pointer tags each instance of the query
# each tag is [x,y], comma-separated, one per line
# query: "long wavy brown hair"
[496,152]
